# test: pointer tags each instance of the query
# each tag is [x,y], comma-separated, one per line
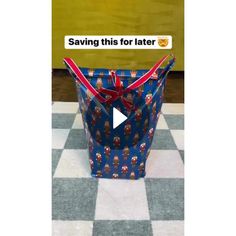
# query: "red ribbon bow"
[119,89]
[117,93]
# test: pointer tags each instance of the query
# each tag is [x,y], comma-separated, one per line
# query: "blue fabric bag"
[122,152]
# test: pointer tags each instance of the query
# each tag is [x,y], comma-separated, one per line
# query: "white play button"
[118,118]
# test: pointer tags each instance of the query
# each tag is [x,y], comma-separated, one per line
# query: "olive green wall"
[117,17]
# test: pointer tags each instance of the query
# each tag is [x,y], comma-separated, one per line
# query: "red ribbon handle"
[119,91]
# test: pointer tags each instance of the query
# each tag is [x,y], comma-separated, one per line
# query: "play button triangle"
[118,118]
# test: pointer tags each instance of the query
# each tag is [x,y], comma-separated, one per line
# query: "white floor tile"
[78,123]
[164,164]
[172,108]
[161,124]
[121,200]
[178,136]
[168,228]
[59,137]
[65,107]
[72,228]
[73,164]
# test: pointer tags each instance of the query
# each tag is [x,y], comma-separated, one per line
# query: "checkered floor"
[82,205]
